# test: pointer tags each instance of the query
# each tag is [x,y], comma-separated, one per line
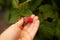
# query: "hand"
[14,32]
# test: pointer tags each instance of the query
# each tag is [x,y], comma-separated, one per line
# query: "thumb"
[12,33]
[19,23]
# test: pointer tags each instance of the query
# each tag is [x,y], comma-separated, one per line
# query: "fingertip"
[21,18]
[38,21]
[32,16]
[20,22]
[36,17]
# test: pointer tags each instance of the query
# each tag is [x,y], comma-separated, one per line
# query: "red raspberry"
[29,20]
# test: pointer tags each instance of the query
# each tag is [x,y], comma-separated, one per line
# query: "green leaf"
[7,3]
[7,15]
[15,14]
[47,29]
[54,5]
[26,12]
[23,5]
[21,10]
[33,5]
[47,11]
[57,32]
[15,3]
[1,2]
[21,1]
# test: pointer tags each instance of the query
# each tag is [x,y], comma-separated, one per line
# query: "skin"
[15,31]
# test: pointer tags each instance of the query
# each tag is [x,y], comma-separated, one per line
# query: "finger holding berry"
[28,24]
[31,28]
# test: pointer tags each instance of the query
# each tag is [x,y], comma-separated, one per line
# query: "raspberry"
[29,20]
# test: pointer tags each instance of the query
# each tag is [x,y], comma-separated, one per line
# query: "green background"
[48,12]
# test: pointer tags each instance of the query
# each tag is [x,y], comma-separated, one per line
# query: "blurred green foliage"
[47,10]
